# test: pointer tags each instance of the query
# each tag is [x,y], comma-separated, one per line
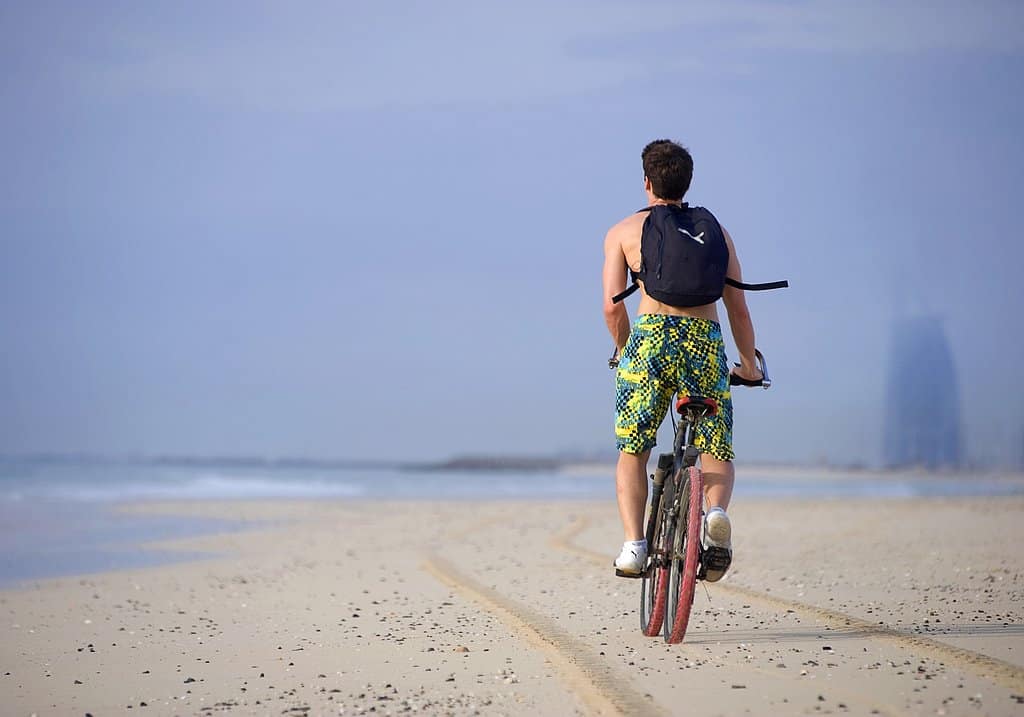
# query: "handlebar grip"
[613,362]
[735,380]
[763,382]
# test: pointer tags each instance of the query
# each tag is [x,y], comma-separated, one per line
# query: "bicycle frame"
[683,456]
[672,532]
[684,452]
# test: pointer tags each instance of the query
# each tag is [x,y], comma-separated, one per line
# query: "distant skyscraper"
[1020,457]
[922,412]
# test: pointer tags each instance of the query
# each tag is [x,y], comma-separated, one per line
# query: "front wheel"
[685,557]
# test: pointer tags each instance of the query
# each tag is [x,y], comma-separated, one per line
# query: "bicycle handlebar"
[763,382]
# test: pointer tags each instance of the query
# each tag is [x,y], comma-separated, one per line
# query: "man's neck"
[653,201]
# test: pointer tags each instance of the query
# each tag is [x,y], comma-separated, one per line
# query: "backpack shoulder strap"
[767,286]
[632,288]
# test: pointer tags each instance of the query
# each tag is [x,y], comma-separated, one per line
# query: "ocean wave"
[210,486]
[112,484]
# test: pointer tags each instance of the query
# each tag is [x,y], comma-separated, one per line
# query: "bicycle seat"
[709,405]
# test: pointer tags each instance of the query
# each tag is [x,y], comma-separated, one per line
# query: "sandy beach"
[509,608]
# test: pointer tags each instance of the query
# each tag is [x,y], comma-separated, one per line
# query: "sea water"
[60,517]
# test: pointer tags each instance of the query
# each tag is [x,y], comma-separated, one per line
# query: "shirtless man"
[671,349]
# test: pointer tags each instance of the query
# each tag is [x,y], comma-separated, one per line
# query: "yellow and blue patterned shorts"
[666,355]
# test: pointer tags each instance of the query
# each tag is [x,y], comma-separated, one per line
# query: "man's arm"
[739,317]
[614,281]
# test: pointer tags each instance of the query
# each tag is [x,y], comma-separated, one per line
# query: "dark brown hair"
[669,166]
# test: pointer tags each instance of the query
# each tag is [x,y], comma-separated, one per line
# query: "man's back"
[624,237]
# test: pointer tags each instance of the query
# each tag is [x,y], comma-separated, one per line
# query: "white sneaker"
[632,559]
[717,544]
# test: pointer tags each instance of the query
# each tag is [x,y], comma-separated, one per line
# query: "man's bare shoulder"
[628,228]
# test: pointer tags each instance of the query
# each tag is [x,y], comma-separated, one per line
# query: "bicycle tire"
[654,586]
[685,556]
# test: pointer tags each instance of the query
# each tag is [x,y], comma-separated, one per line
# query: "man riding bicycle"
[675,344]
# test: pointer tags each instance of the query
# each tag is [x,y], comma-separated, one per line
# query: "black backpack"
[684,258]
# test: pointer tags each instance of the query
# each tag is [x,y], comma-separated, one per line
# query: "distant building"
[1020,458]
[922,409]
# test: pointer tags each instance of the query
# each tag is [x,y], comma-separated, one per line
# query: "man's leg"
[641,399]
[631,490]
[719,477]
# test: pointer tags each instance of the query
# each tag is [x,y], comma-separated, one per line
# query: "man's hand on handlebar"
[755,376]
[747,373]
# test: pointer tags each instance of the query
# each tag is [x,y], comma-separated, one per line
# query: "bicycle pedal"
[716,558]
[621,574]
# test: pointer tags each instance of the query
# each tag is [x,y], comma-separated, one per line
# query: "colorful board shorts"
[666,355]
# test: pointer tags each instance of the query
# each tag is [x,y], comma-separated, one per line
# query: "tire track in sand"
[597,686]
[991,668]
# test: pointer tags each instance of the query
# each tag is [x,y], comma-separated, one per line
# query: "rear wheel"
[654,586]
[685,549]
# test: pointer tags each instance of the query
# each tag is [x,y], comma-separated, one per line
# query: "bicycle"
[676,555]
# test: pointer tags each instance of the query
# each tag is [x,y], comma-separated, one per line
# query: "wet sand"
[365,607]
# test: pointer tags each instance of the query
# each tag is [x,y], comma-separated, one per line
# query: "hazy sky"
[375,230]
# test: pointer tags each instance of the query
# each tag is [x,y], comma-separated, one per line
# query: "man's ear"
[647,183]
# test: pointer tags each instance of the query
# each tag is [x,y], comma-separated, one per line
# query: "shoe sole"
[719,532]
[620,574]
[719,550]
